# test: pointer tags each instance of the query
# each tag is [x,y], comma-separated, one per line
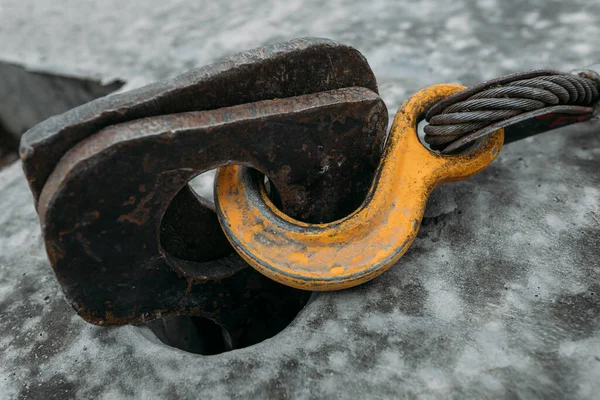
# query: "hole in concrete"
[247,307]
[262,316]
[193,334]
[28,97]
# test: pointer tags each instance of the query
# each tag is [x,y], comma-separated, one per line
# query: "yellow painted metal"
[364,244]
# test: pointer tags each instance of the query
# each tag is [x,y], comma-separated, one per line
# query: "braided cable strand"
[501,99]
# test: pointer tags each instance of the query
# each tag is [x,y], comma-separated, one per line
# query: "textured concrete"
[499,297]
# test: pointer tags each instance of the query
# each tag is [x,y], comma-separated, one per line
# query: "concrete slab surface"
[499,297]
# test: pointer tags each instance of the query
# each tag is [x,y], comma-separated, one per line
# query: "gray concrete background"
[497,298]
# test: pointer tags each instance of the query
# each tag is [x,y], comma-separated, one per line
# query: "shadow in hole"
[267,316]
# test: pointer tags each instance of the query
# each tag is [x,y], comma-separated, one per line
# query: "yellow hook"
[366,243]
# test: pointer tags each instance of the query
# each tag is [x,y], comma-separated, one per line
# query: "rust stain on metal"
[141,214]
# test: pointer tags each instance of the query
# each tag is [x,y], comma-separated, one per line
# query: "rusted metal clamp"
[126,237]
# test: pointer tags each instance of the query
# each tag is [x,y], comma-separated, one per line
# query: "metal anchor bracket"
[130,242]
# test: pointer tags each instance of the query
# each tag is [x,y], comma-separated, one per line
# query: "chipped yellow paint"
[361,246]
